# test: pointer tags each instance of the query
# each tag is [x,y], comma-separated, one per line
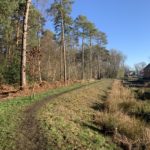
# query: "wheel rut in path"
[30,136]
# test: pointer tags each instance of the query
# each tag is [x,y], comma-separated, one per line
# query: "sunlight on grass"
[66,121]
[11,114]
[125,117]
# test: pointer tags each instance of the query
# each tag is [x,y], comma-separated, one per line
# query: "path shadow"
[142,95]
[98,106]
[92,127]
[101,130]
[145,116]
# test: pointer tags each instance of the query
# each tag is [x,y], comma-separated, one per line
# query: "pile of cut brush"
[6,91]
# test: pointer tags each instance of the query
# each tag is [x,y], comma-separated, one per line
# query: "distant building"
[146,71]
[130,74]
[141,74]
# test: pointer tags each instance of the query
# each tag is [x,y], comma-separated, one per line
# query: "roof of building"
[147,67]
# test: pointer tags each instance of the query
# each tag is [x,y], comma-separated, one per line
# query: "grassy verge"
[67,120]
[116,118]
[11,114]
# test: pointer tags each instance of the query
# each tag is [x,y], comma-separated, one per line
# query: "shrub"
[1,78]
[12,73]
[129,127]
[129,106]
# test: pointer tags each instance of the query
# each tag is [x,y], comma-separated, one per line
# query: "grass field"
[101,115]
[67,121]
[12,115]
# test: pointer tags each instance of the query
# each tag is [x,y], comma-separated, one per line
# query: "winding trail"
[30,136]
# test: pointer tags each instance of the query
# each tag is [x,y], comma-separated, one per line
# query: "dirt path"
[30,136]
[68,120]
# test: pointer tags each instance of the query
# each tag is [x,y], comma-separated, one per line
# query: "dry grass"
[125,125]
[67,121]
[118,95]
[114,120]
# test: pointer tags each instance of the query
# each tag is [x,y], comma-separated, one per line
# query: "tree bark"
[91,58]
[64,54]
[99,72]
[61,62]
[17,34]
[23,82]
[69,65]
[39,68]
[63,46]
[39,55]
[83,58]
[49,68]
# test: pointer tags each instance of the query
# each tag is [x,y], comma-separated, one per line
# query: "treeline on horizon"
[75,51]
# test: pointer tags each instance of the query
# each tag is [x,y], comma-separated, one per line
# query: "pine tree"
[60,10]
[81,29]
[24,45]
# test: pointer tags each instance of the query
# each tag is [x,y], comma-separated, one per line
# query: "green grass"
[11,114]
[67,120]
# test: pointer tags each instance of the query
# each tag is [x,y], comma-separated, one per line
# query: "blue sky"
[126,23]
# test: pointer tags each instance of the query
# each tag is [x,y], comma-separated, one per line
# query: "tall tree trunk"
[83,58]
[17,33]
[91,58]
[49,68]
[39,54]
[24,45]
[61,61]
[39,62]
[8,52]
[99,72]
[69,66]
[63,46]
[64,54]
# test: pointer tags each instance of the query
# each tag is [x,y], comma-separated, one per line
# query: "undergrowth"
[119,118]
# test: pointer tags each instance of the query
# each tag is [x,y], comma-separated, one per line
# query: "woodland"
[73,50]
